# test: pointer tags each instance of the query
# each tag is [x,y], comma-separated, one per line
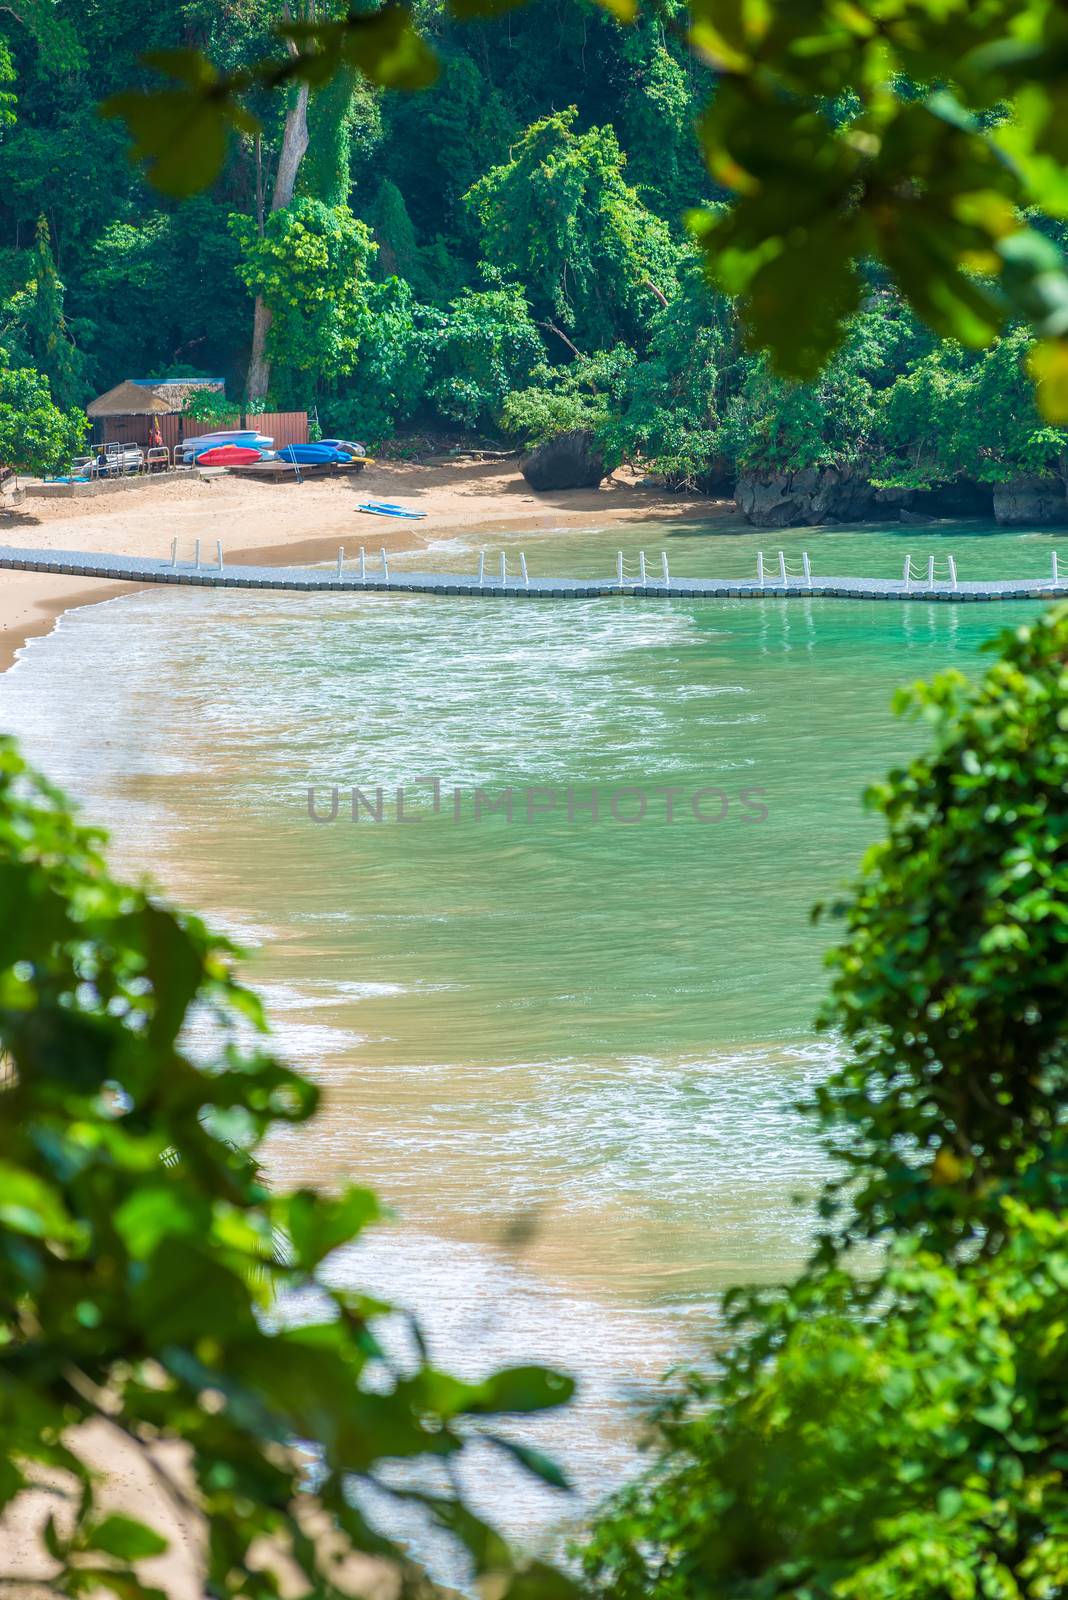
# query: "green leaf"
[30,1205]
[1048,365]
[157,1212]
[181,133]
[542,1466]
[316,1224]
[388,50]
[123,1538]
[517,1389]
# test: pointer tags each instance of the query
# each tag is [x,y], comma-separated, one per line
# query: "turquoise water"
[565,1048]
[728,549]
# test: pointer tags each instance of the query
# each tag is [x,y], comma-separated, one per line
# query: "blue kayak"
[383,508]
[311,455]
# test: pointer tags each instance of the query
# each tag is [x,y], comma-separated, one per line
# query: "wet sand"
[292,523]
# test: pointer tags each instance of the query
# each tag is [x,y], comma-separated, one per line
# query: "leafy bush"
[389,384]
[912,1455]
[560,217]
[140,1249]
[481,349]
[311,268]
[209,405]
[901,1434]
[584,394]
[673,406]
[35,436]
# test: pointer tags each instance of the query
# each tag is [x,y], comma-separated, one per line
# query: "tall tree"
[51,348]
[560,217]
[290,156]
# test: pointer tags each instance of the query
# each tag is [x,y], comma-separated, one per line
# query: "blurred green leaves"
[181,132]
[147,1273]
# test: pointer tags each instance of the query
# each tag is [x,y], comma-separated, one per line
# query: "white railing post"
[174,554]
[218,553]
[1053,564]
[641,565]
[504,568]
[197,557]
[806,568]
[363,564]
[385,565]
[619,568]
[664,567]
[930,571]
[523,569]
[481,568]
[340,560]
[906,576]
[760,568]
[782,569]
[952,570]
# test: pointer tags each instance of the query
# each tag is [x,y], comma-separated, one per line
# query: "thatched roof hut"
[149,397]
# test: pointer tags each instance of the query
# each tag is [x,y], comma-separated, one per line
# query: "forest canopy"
[525,244]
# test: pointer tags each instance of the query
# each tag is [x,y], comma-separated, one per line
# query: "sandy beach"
[281,524]
[287,523]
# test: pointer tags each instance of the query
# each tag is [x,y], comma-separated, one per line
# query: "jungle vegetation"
[892,1425]
[507,251]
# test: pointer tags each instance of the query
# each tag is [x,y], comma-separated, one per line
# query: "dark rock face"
[961,498]
[570,461]
[804,498]
[1031,501]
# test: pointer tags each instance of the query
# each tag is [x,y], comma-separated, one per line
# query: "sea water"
[565,1045]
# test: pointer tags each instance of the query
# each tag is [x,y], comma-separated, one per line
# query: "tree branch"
[552,328]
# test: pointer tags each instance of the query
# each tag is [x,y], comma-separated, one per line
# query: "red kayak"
[228,455]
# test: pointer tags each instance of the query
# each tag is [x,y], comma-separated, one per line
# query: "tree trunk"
[294,147]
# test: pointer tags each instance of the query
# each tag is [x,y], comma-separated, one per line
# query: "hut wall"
[285,427]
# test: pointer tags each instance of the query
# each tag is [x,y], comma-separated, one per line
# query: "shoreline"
[289,523]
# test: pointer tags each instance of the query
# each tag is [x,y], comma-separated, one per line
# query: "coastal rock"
[1031,500]
[810,496]
[570,461]
[961,497]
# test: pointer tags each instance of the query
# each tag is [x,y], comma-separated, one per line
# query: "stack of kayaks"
[248,454]
[241,438]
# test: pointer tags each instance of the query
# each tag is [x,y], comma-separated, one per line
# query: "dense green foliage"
[35,435]
[901,1432]
[845,133]
[144,1264]
[310,266]
[476,257]
[559,218]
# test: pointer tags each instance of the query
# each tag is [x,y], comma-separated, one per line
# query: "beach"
[298,523]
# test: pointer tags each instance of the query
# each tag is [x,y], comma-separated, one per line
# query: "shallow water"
[728,550]
[565,1048]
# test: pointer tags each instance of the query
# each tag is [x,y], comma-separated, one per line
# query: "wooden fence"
[284,427]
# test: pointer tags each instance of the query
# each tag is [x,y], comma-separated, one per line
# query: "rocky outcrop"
[570,461]
[1031,501]
[962,497]
[805,498]
[820,495]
